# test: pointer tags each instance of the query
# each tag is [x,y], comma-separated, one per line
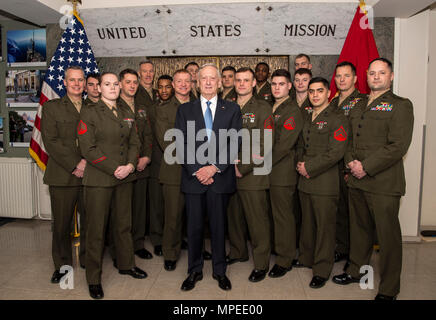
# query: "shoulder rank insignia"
[383,106]
[340,134]
[289,124]
[81,127]
[269,123]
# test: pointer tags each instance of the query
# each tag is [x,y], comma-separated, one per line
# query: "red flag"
[359,49]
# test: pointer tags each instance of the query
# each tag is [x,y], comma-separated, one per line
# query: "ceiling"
[42,12]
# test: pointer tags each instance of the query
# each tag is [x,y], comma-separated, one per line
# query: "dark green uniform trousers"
[370,215]
[317,241]
[255,208]
[63,201]
[237,229]
[172,232]
[342,218]
[156,208]
[100,201]
[139,212]
[282,207]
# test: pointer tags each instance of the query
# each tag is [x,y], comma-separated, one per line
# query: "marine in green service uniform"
[109,143]
[349,95]
[251,186]
[65,169]
[262,90]
[91,89]
[287,125]
[382,127]
[228,84]
[321,146]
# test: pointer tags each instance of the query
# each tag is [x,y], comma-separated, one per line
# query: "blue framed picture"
[26,48]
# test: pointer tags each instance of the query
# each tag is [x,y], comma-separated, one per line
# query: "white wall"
[428,213]
[411,59]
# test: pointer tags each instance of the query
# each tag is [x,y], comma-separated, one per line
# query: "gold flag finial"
[75,2]
[362,6]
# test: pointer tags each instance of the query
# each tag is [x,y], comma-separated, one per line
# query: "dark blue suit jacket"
[227,116]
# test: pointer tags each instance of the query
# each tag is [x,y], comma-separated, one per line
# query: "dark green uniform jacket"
[256,114]
[106,142]
[264,93]
[231,96]
[306,108]
[322,144]
[89,102]
[58,129]
[165,120]
[382,133]
[144,133]
[287,123]
[348,104]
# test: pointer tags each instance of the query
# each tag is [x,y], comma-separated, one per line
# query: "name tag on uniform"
[129,121]
[350,106]
[321,124]
[383,106]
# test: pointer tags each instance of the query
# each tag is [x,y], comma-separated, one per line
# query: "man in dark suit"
[209,179]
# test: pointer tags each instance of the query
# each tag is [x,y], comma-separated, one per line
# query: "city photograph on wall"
[21,125]
[23,87]
[26,48]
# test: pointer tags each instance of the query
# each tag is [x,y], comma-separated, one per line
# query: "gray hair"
[73,68]
[218,72]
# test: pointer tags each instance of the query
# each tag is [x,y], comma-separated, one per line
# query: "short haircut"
[302,55]
[74,68]
[262,63]
[346,64]
[180,71]
[229,68]
[210,65]
[281,73]
[192,63]
[145,62]
[383,60]
[106,73]
[246,69]
[320,80]
[302,71]
[93,75]
[128,71]
[165,77]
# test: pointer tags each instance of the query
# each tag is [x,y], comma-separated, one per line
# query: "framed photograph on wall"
[23,87]
[26,48]
[21,125]
[2,134]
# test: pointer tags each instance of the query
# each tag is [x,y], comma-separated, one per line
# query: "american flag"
[73,50]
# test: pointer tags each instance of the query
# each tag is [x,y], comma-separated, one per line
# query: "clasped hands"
[356,169]
[123,171]
[80,169]
[205,174]
[302,170]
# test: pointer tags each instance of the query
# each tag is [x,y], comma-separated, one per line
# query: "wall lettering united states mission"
[219,29]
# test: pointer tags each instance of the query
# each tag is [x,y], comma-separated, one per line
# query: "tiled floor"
[26,268]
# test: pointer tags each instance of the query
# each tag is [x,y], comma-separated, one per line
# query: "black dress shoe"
[96,291]
[190,281]
[57,276]
[232,261]
[170,265]
[317,282]
[158,250]
[184,245]
[297,264]
[257,275]
[144,253]
[135,272]
[207,255]
[223,282]
[278,271]
[345,279]
[340,256]
[382,297]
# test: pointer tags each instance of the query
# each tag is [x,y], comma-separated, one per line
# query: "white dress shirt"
[214,101]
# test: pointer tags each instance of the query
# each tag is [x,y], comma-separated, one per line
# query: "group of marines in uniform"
[333,190]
